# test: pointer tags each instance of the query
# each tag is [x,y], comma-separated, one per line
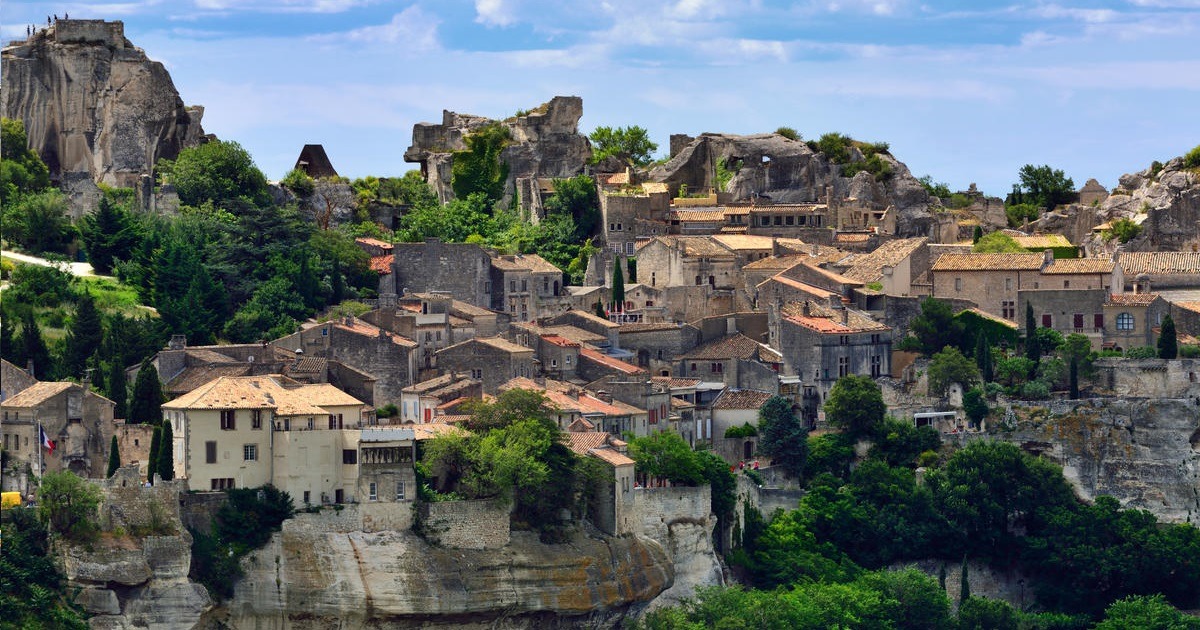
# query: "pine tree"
[152,461]
[964,588]
[33,347]
[116,390]
[166,452]
[618,286]
[114,457]
[146,404]
[109,233]
[1168,341]
[84,336]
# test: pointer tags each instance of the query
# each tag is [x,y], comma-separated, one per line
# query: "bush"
[791,134]
[298,182]
[1192,158]
[746,430]
[1144,352]
[1189,352]
[1125,230]
[1035,390]
[67,505]
[1019,213]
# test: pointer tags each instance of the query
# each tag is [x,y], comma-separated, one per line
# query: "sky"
[963,91]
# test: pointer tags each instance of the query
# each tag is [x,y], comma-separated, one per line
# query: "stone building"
[244,432]
[314,162]
[675,261]
[387,356]
[1146,271]
[735,408]
[78,421]
[736,360]
[385,466]
[491,360]
[623,208]
[892,267]
[527,287]
[1092,193]
[13,380]
[1132,320]
[612,501]
[992,281]
[1072,311]
[461,270]
[657,345]
[822,343]
[423,402]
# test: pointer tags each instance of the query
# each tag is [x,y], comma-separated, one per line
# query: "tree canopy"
[218,172]
[997,243]
[631,145]
[1044,186]
[784,437]
[855,403]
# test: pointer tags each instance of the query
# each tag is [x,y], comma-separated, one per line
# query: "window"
[437,336]
[876,366]
[778,220]
[1098,320]
[1008,308]
[372,493]
[210,452]
[399,490]
[250,452]
[512,286]
[875,338]
[567,360]
[843,366]
[699,281]
[844,340]
[1066,284]
[653,416]
[476,373]
[766,220]
[612,227]
[256,419]
[310,423]
[958,284]
[693,367]
[652,278]
[619,227]
[1008,284]
[228,420]
[553,363]
[790,220]
[1047,320]
[221,484]
[717,368]
[545,285]
[349,456]
[307,497]
[1077,321]
[487,286]
[1125,321]
[524,286]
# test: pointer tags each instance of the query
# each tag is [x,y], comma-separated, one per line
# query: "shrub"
[67,505]
[1125,230]
[1192,158]
[1035,390]
[298,182]
[746,430]
[1189,352]
[791,134]
[1020,213]
[1144,352]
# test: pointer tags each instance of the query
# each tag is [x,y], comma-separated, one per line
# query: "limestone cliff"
[545,143]
[95,107]
[1164,201]
[306,578]
[788,171]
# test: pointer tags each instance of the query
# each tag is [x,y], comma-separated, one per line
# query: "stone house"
[365,347]
[385,466]
[799,220]
[573,405]
[590,322]
[490,360]
[757,272]
[423,318]
[992,281]
[1092,193]
[526,286]
[657,345]
[559,356]
[1133,320]
[78,421]
[641,392]
[675,261]
[1073,311]
[612,502]
[594,364]
[420,403]
[244,432]
[735,360]
[822,343]
[133,440]
[13,379]
[1156,271]
[734,408]
[892,267]
[623,206]
[461,270]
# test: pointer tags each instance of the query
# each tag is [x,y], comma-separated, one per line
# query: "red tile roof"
[827,320]
[610,362]
[560,341]
[374,242]
[359,327]
[741,399]
[1131,299]
[611,456]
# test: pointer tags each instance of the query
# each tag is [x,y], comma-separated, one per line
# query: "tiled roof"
[1042,241]
[796,284]
[374,242]
[613,457]
[430,430]
[735,346]
[648,327]
[360,327]
[263,392]
[592,317]
[582,442]
[206,355]
[869,267]
[989,262]
[676,382]
[823,319]
[37,394]
[382,264]
[573,333]
[837,278]
[1079,266]
[192,377]
[501,343]
[852,238]
[705,216]
[1159,263]
[1188,306]
[740,242]
[680,403]
[1131,299]
[610,362]
[694,245]
[438,383]
[560,341]
[992,318]
[741,399]
[519,262]
[580,425]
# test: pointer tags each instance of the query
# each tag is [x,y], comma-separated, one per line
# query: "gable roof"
[1079,266]
[609,362]
[741,242]
[1159,263]
[826,320]
[735,346]
[264,392]
[694,246]
[741,399]
[612,457]
[1131,299]
[989,262]
[869,267]
[360,327]
[37,394]
[524,262]
[192,377]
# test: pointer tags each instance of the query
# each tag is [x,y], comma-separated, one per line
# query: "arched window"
[1125,321]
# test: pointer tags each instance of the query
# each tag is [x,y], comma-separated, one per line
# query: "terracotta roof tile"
[989,262]
[698,216]
[823,319]
[735,346]
[520,262]
[582,442]
[37,394]
[1159,263]
[742,242]
[560,341]
[676,382]
[610,362]
[382,264]
[192,377]
[263,392]
[360,327]
[869,267]
[1189,306]
[613,457]
[815,291]
[1131,299]
[741,399]
[1079,266]
[648,327]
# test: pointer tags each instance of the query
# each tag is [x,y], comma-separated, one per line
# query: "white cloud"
[877,7]
[412,27]
[494,13]
[1091,16]
[279,6]
[1168,4]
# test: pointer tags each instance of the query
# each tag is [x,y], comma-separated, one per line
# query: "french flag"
[47,443]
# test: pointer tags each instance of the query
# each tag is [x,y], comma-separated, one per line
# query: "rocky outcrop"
[788,171]
[545,143]
[1164,201]
[1145,453]
[95,107]
[314,579]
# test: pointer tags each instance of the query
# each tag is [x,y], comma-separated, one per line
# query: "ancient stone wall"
[465,524]
[348,519]
[656,510]
[1149,378]
[129,505]
[197,510]
[90,32]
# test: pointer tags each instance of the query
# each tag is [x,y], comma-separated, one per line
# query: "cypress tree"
[618,286]
[8,347]
[1033,351]
[84,337]
[166,452]
[114,457]
[942,576]
[146,405]
[152,461]
[114,382]
[337,283]
[599,308]
[34,347]
[977,235]
[1074,382]
[983,357]
[1168,341]
[964,587]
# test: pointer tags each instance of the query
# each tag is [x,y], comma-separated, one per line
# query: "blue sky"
[963,91]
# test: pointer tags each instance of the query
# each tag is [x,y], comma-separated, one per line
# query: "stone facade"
[992,281]
[465,524]
[460,270]
[389,357]
[491,360]
[78,421]
[1149,378]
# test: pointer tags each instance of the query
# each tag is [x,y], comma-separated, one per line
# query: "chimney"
[731,325]
[605,396]
[1047,258]
[178,342]
[845,316]
[29,367]
[814,250]
[807,309]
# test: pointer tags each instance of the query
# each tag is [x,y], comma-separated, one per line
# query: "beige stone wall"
[657,509]
[465,524]
[1150,378]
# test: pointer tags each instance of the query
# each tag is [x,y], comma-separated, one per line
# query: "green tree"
[978,613]
[109,234]
[784,439]
[22,171]
[1019,213]
[665,455]
[146,404]
[997,243]
[298,182]
[478,168]
[510,406]
[67,505]
[1033,349]
[165,466]
[33,590]
[855,403]
[977,235]
[618,286]
[33,347]
[1076,349]
[788,132]
[941,190]
[577,198]
[935,328]
[1168,342]
[1045,186]
[1146,613]
[1124,230]
[975,405]
[631,145]
[39,222]
[964,582]
[948,367]
[835,146]
[983,358]
[155,447]
[114,457]
[220,172]
[84,335]
[454,223]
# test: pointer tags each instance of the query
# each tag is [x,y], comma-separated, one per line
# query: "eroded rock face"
[788,171]
[1138,451]
[545,143]
[310,579]
[95,107]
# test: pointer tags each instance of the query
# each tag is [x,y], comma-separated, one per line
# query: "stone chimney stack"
[1047,258]
[178,342]
[845,316]
[807,309]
